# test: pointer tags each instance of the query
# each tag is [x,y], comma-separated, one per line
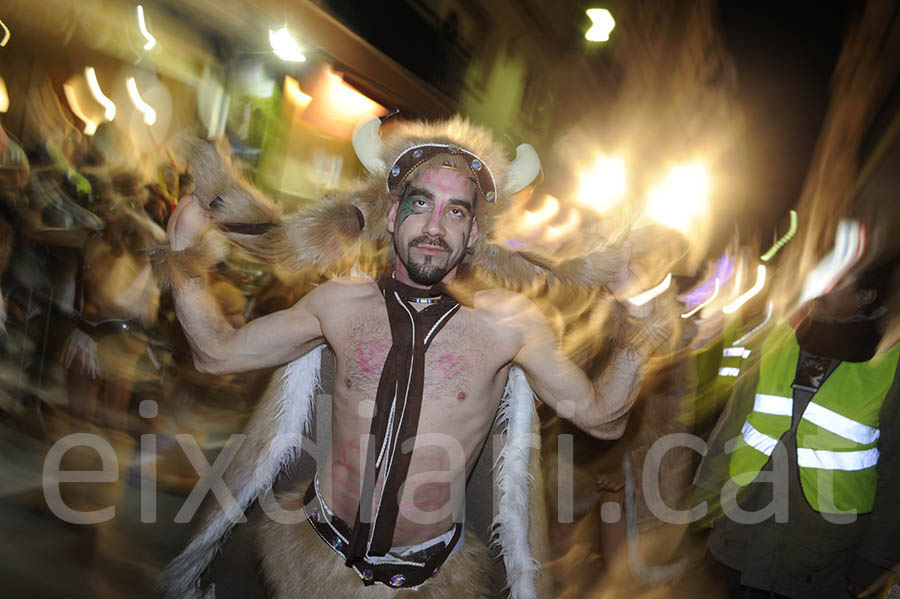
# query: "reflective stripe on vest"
[761,442]
[836,460]
[840,425]
[818,415]
[732,361]
[736,352]
[773,404]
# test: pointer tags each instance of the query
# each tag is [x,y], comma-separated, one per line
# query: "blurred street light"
[780,243]
[750,293]
[142,25]
[285,46]
[293,91]
[705,302]
[603,186]
[143,107]
[94,85]
[602,25]
[680,197]
[90,126]
[6,34]
[4,96]
[642,298]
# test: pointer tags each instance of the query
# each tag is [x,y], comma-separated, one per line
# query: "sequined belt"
[390,570]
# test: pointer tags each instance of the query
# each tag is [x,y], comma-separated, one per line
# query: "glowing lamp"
[680,197]
[285,46]
[602,24]
[604,185]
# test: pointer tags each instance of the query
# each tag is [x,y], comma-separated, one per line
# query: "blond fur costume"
[337,233]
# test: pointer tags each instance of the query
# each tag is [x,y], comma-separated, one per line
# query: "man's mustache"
[429,241]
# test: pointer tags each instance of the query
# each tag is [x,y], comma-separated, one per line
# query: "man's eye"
[457,212]
[420,203]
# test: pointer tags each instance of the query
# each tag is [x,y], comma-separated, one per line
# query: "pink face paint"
[445,180]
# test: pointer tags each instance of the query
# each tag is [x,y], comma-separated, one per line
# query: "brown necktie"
[398,403]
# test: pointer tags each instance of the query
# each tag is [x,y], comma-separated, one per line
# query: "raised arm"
[218,347]
[600,407]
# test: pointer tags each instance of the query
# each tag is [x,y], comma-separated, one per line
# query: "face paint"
[406,208]
[433,223]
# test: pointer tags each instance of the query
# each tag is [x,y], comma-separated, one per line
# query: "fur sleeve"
[271,440]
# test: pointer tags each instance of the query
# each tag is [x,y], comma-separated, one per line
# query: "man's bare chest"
[462,358]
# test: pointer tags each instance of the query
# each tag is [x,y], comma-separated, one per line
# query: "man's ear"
[473,232]
[865,297]
[392,216]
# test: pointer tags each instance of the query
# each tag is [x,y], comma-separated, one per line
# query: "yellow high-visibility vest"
[838,432]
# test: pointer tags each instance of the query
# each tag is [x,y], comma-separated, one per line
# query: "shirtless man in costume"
[389,497]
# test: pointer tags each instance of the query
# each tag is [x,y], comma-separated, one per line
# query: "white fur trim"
[511,525]
[650,576]
[85,348]
[299,382]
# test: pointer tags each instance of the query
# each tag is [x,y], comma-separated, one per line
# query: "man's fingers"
[189,221]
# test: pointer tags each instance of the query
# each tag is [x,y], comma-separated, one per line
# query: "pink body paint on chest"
[452,365]
[371,355]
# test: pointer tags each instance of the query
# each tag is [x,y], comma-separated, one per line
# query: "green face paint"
[407,205]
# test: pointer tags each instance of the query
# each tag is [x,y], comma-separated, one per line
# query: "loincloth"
[297,562]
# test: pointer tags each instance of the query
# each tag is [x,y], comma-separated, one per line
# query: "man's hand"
[187,225]
[625,281]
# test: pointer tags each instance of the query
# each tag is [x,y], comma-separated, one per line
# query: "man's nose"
[435,226]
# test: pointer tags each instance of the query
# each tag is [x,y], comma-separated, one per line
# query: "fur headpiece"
[350,228]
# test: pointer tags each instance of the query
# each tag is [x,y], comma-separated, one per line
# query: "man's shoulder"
[502,303]
[340,291]
[350,289]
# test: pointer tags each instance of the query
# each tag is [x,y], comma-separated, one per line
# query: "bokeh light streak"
[849,247]
[146,109]
[704,303]
[6,34]
[4,96]
[792,230]
[725,269]
[285,46]
[142,24]
[769,307]
[533,220]
[90,126]
[94,86]
[642,298]
[750,293]
[559,231]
